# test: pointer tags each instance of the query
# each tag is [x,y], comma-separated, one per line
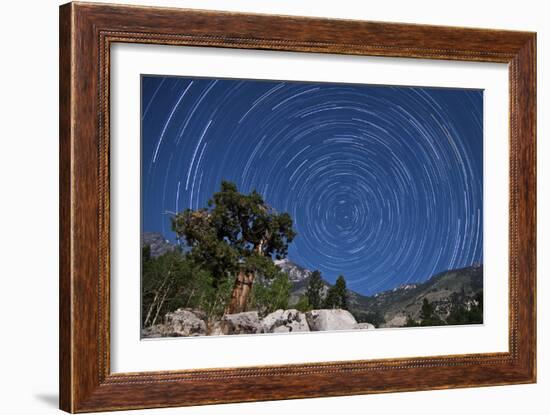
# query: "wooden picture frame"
[86,33]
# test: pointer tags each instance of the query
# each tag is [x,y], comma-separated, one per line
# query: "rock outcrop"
[322,320]
[180,323]
[241,323]
[186,322]
[295,272]
[398,320]
[284,321]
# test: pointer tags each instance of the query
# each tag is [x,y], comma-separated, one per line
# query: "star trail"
[384,183]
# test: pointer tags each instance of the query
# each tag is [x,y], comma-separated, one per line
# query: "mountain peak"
[295,272]
[158,244]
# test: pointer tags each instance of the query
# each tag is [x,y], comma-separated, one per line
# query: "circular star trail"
[384,184]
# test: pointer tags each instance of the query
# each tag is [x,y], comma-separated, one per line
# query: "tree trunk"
[241,293]
[243,286]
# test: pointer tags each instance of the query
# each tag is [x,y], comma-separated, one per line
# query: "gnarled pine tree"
[236,235]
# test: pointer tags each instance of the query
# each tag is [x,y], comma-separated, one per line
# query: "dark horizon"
[379,180]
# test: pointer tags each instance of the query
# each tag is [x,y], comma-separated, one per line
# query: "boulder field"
[186,322]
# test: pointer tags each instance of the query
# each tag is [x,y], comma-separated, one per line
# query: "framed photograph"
[260,207]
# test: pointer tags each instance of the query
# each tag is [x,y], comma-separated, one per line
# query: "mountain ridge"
[394,307]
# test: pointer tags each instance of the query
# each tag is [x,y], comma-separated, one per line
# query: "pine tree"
[303,304]
[238,235]
[428,316]
[314,288]
[427,310]
[337,295]
[411,322]
[462,314]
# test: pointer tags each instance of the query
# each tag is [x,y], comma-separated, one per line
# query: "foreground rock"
[181,323]
[186,322]
[322,320]
[158,330]
[285,321]
[241,323]
[215,329]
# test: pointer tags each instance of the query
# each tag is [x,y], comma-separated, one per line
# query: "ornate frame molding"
[86,34]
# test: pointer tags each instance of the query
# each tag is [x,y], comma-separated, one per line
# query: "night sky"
[384,184]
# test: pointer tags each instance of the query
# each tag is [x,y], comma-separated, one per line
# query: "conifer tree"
[428,315]
[314,288]
[237,235]
[337,295]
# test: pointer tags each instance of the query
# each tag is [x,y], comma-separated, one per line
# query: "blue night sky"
[384,184]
